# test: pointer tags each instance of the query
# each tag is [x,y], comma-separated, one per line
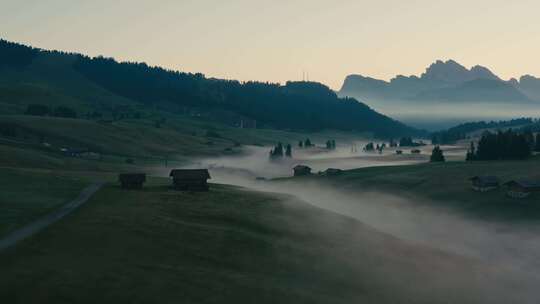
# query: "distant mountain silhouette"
[29,75]
[529,85]
[445,81]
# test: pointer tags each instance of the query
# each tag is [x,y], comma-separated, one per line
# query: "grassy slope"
[225,246]
[26,165]
[51,80]
[448,184]
[179,137]
[27,195]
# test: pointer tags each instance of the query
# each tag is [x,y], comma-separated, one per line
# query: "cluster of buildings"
[520,188]
[182,179]
[303,170]
[197,180]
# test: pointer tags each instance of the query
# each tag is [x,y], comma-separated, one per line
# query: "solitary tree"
[437,155]
[288,151]
[300,144]
[471,152]
[369,147]
[307,144]
[279,150]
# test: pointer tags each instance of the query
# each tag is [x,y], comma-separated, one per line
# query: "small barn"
[521,188]
[332,171]
[74,152]
[190,179]
[132,180]
[484,183]
[301,170]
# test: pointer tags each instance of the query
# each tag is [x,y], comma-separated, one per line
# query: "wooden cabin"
[521,188]
[302,170]
[332,171]
[132,180]
[484,183]
[74,152]
[190,179]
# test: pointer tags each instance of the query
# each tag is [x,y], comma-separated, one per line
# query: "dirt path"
[32,228]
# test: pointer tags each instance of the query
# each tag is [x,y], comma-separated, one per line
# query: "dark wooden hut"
[484,183]
[521,188]
[332,171]
[74,152]
[190,179]
[132,180]
[302,170]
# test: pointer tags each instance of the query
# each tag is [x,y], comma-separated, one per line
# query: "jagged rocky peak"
[452,72]
[446,71]
[479,71]
[528,78]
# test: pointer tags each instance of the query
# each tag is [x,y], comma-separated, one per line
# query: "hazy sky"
[277,40]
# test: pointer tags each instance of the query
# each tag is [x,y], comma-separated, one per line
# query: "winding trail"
[32,228]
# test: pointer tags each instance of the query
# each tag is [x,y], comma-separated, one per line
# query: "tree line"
[459,132]
[505,145]
[303,106]
[296,105]
[279,151]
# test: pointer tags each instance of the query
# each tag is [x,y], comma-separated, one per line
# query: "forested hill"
[461,131]
[297,105]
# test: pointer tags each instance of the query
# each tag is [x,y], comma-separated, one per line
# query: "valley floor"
[234,245]
[229,246]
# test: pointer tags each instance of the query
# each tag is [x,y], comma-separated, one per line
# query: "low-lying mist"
[436,115]
[512,250]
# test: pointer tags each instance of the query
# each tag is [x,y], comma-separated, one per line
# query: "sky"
[283,40]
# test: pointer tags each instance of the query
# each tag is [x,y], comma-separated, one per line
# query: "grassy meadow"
[447,184]
[225,246]
[178,138]
[28,195]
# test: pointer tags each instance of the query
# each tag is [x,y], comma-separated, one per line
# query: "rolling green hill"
[101,88]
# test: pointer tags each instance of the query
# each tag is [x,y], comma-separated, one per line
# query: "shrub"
[66,112]
[37,110]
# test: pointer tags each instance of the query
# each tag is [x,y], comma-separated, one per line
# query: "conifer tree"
[437,155]
[471,152]
[288,151]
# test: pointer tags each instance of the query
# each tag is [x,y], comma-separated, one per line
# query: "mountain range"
[445,81]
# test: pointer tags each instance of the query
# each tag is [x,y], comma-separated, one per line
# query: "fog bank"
[511,250]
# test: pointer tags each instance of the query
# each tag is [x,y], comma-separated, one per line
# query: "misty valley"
[125,182]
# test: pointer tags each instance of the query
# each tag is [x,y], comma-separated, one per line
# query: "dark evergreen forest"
[305,106]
